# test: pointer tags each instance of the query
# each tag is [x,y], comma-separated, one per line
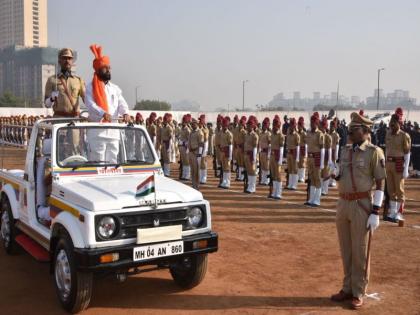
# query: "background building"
[23,23]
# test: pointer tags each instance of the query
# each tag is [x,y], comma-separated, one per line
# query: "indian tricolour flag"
[146,187]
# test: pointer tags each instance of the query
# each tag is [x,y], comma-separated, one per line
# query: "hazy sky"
[202,50]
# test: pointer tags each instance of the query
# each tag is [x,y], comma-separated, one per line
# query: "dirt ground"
[275,257]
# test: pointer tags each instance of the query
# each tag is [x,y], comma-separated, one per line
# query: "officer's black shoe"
[389,219]
[247,192]
[323,194]
[308,203]
[277,198]
[314,205]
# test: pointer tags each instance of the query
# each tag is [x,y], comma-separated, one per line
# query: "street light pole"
[243,94]
[138,86]
[379,74]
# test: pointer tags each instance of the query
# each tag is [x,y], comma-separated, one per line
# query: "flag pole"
[154,180]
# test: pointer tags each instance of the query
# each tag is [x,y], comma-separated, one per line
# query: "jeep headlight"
[107,227]
[194,217]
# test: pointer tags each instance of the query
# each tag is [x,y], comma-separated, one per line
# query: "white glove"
[54,94]
[337,149]
[280,161]
[306,150]
[373,222]
[322,158]
[230,152]
[297,153]
[406,164]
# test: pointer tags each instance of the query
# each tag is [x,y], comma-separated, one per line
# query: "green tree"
[10,100]
[152,105]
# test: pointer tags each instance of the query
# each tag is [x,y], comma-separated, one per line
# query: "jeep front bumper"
[89,259]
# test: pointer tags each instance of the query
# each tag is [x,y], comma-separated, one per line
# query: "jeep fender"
[9,191]
[71,224]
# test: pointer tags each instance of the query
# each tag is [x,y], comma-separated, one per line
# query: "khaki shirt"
[240,139]
[327,141]
[292,140]
[217,137]
[302,136]
[205,132]
[277,140]
[152,130]
[250,141]
[196,140]
[335,138]
[368,164]
[166,133]
[75,87]
[226,139]
[265,139]
[397,145]
[184,134]
[315,141]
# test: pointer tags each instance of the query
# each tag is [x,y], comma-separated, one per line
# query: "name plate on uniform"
[159,234]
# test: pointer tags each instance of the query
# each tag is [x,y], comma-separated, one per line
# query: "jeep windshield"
[82,146]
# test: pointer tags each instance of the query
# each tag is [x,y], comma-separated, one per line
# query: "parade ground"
[275,257]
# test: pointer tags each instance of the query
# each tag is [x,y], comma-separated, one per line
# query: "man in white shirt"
[105,103]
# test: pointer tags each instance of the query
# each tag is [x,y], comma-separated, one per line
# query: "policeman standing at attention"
[362,166]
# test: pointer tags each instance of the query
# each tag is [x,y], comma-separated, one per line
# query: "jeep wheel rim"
[63,274]
[5,228]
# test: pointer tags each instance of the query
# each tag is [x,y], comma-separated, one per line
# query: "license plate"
[158,250]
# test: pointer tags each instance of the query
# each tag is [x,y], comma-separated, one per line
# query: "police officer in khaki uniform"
[398,146]
[62,91]
[276,159]
[293,154]
[335,145]
[203,166]
[316,153]
[226,152]
[264,145]
[184,135]
[303,150]
[152,129]
[196,148]
[250,154]
[361,168]
[238,140]
[166,134]
[325,172]
[217,135]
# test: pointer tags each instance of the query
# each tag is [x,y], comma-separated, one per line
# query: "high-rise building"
[23,23]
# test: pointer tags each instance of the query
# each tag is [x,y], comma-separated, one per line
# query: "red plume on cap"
[202,118]
[398,116]
[316,114]
[277,117]
[333,123]
[301,121]
[292,122]
[252,120]
[243,118]
[225,121]
[219,119]
[236,119]
[276,121]
[399,111]
[139,116]
[324,123]
[315,118]
[185,119]
[266,122]
[361,112]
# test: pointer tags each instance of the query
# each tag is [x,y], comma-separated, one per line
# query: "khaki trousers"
[291,164]
[275,169]
[184,156]
[250,166]
[194,169]
[264,162]
[395,183]
[351,222]
[314,173]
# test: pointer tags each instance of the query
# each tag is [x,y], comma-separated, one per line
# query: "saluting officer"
[303,150]
[316,153]
[361,168]
[293,154]
[195,147]
[276,159]
[398,145]
[62,91]
[264,144]
[226,151]
[250,154]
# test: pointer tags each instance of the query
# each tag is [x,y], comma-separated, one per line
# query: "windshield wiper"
[90,163]
[137,162]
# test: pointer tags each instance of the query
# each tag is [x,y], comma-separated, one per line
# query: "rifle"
[221,175]
[287,178]
[270,192]
[308,190]
[259,171]
[245,180]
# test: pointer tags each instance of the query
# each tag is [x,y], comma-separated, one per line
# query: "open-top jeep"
[92,198]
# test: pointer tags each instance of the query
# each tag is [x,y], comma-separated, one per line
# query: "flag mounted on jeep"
[146,187]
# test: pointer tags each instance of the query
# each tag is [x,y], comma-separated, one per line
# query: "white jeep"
[93,198]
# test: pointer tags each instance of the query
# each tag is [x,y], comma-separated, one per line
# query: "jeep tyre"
[8,230]
[189,271]
[74,288]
